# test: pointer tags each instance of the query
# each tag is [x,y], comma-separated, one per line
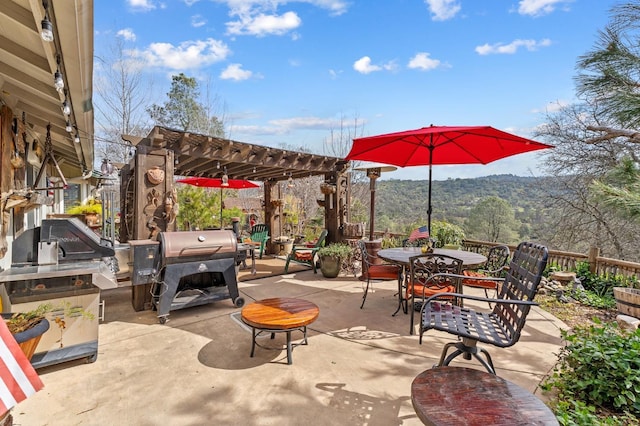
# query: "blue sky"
[290,72]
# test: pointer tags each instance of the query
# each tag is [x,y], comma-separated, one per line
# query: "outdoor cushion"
[429,290]
[303,255]
[478,283]
[382,272]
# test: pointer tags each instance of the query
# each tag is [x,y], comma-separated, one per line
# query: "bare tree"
[122,95]
[338,144]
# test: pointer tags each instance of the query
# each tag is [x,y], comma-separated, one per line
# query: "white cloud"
[190,2]
[198,21]
[235,72]
[187,55]
[538,7]
[262,24]
[423,62]
[511,48]
[313,123]
[552,107]
[363,65]
[443,9]
[142,5]
[334,74]
[127,34]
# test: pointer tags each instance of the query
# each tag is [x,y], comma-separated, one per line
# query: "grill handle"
[217,247]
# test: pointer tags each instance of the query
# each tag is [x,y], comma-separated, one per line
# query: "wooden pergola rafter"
[202,155]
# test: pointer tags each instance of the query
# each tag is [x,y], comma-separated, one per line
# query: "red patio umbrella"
[221,183]
[441,145]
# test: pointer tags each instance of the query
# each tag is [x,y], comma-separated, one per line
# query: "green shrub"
[602,285]
[599,368]
[339,250]
[446,233]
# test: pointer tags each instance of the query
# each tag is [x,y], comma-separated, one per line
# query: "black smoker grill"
[188,268]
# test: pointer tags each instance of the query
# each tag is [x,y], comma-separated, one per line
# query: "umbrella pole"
[429,199]
[220,207]
[372,188]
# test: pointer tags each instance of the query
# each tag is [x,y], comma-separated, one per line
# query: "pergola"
[192,154]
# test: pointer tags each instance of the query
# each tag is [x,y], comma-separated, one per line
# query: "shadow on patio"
[357,368]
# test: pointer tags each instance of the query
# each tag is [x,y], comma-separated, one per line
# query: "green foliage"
[492,219]
[590,298]
[602,285]
[446,233]
[200,208]
[183,111]
[338,250]
[599,367]
[90,207]
[389,242]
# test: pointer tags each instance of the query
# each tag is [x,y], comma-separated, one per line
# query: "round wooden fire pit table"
[464,396]
[278,315]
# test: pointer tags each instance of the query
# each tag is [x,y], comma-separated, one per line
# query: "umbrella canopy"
[205,182]
[441,145]
[218,183]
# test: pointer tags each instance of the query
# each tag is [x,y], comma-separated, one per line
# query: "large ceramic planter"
[330,266]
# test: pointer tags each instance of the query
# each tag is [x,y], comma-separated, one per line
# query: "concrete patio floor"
[356,370]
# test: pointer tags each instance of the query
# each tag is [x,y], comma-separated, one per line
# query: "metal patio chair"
[431,274]
[496,263]
[375,271]
[500,326]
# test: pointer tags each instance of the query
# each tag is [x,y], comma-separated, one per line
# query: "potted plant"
[28,327]
[91,210]
[331,258]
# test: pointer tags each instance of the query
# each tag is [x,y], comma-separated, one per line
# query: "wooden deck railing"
[567,260]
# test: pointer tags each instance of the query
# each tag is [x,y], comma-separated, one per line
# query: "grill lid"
[197,245]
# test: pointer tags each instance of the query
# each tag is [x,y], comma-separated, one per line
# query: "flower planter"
[627,301]
[28,340]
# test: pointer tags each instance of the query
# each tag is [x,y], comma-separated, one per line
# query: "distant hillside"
[405,201]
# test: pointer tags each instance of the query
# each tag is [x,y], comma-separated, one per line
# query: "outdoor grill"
[62,264]
[188,268]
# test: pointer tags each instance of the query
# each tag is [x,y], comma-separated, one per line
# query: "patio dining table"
[402,255]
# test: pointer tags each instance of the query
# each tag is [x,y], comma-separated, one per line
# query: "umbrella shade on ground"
[440,145]
[205,182]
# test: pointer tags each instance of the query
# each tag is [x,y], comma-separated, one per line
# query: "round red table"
[464,396]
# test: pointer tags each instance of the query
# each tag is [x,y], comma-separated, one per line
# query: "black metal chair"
[375,271]
[496,263]
[499,327]
[431,274]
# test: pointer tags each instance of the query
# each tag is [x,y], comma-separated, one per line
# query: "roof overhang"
[27,68]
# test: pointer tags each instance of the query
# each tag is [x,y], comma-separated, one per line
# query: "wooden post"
[269,217]
[594,252]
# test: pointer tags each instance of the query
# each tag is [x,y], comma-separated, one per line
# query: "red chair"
[375,271]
